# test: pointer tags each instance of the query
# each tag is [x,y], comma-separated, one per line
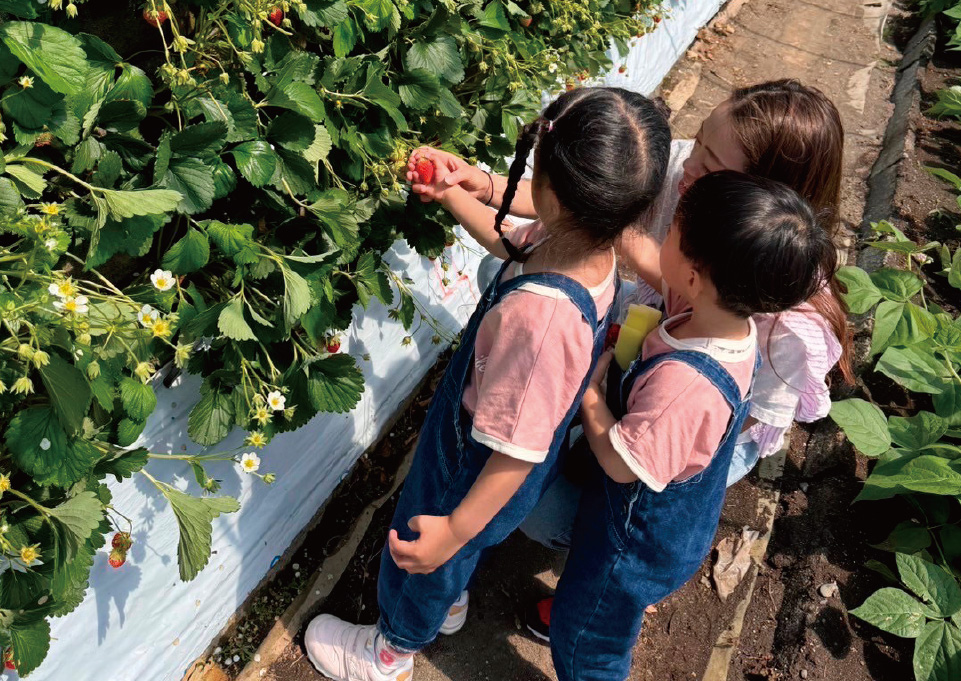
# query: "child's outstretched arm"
[476,218]
[598,421]
[443,536]
[641,252]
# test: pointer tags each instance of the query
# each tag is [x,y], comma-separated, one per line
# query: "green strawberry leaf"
[138,399]
[189,253]
[53,54]
[335,384]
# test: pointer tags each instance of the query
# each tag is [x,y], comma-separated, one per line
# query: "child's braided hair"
[603,151]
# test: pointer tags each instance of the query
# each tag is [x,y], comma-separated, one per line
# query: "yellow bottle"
[641,320]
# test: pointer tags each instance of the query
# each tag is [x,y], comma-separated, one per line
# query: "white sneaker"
[456,616]
[345,652]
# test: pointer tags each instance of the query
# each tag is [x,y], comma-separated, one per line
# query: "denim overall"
[633,546]
[447,463]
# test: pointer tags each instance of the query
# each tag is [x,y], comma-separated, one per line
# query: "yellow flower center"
[28,554]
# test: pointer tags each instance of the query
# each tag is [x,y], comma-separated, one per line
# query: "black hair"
[757,240]
[604,151]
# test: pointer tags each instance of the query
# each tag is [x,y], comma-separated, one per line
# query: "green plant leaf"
[77,518]
[864,425]
[34,107]
[419,89]
[189,253]
[211,418]
[916,368]
[897,285]
[121,115]
[918,431]
[234,241]
[41,448]
[128,204]
[202,140]
[894,611]
[945,175]
[128,430]
[440,57]
[937,653]
[323,13]
[932,475]
[53,54]
[906,537]
[371,282]
[123,465]
[296,296]
[954,274]
[299,97]
[138,399]
[232,324]
[194,181]
[932,584]
[861,294]
[30,182]
[31,641]
[256,161]
[194,518]
[886,320]
[335,384]
[68,391]
[947,404]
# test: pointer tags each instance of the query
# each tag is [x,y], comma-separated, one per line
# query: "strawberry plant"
[210,189]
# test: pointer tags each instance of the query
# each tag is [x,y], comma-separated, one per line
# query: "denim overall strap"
[705,365]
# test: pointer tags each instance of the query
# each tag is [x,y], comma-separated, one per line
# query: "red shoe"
[538,619]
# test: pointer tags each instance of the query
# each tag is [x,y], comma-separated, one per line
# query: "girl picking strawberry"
[497,424]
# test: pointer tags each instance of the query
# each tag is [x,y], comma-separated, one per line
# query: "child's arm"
[641,252]
[476,218]
[598,421]
[443,536]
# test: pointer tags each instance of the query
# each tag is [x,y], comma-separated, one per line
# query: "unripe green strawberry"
[121,540]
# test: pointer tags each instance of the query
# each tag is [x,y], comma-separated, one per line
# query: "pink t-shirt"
[532,352]
[676,418]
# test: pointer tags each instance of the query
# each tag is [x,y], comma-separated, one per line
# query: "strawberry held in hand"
[425,170]
[333,345]
[276,16]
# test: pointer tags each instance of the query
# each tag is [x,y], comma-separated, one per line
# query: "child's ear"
[695,283]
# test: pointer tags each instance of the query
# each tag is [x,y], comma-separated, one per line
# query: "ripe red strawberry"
[623,69]
[613,331]
[276,16]
[333,345]
[122,541]
[525,21]
[117,558]
[154,18]
[425,170]
[657,19]
[8,658]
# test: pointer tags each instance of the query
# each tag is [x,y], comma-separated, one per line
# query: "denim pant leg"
[552,520]
[743,461]
[597,612]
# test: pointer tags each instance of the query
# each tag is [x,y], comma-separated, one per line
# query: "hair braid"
[526,140]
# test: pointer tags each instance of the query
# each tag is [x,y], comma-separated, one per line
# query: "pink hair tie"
[550,125]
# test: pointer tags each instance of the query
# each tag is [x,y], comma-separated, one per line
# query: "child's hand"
[449,170]
[600,371]
[435,546]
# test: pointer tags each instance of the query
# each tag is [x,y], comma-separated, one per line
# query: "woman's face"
[715,148]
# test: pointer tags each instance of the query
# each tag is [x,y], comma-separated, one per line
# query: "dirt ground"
[790,630]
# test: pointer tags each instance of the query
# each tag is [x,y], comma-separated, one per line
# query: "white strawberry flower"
[147,316]
[276,401]
[163,280]
[75,305]
[250,462]
[63,288]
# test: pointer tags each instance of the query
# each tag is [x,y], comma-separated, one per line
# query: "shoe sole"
[453,629]
[538,635]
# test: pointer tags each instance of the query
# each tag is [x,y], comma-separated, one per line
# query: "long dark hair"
[757,240]
[792,133]
[604,151]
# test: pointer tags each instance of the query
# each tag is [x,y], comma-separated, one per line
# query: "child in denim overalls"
[664,429]
[600,159]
